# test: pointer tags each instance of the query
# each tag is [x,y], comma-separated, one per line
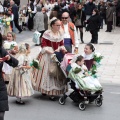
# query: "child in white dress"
[11,46]
[21,85]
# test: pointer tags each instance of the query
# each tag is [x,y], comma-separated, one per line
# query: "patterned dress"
[20,85]
[84,82]
[44,82]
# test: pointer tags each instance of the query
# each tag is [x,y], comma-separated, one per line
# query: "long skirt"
[20,84]
[45,83]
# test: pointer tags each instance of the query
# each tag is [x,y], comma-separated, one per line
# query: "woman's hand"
[63,49]
[86,74]
[7,57]
[1,60]
[76,50]
[26,67]
[49,52]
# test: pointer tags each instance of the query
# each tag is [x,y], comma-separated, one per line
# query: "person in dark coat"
[80,15]
[89,7]
[94,23]
[118,13]
[102,9]
[4,57]
[109,17]
[16,16]
[30,15]
[17,2]
[6,3]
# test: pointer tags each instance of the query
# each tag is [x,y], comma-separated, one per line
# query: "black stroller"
[82,97]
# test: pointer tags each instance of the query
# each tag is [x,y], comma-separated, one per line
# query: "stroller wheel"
[82,106]
[98,102]
[62,100]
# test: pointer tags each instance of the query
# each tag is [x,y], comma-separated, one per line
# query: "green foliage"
[77,70]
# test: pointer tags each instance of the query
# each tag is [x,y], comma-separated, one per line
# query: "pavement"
[108,45]
[38,107]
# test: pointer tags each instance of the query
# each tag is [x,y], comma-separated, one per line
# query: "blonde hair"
[13,35]
[22,48]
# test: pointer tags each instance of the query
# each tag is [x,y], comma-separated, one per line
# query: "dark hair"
[79,58]
[53,22]
[27,46]
[97,11]
[1,40]
[91,47]
[7,14]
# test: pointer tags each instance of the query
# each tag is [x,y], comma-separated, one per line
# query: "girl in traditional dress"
[82,78]
[11,46]
[88,55]
[20,86]
[52,41]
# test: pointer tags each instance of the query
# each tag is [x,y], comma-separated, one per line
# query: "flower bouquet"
[98,57]
[8,46]
[35,64]
[93,71]
[6,22]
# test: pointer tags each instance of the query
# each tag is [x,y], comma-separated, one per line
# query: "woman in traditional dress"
[52,41]
[20,86]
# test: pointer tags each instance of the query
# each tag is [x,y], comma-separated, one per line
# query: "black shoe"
[6,82]
[52,98]
[37,44]
[20,102]
[20,31]
[106,31]
[43,94]
[82,41]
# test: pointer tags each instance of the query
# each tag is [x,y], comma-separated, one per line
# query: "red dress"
[48,43]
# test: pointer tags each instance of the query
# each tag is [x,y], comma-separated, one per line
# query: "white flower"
[97,54]
[7,45]
[36,61]
[29,10]
[53,56]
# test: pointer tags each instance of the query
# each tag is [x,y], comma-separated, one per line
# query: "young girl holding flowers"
[21,85]
[11,46]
